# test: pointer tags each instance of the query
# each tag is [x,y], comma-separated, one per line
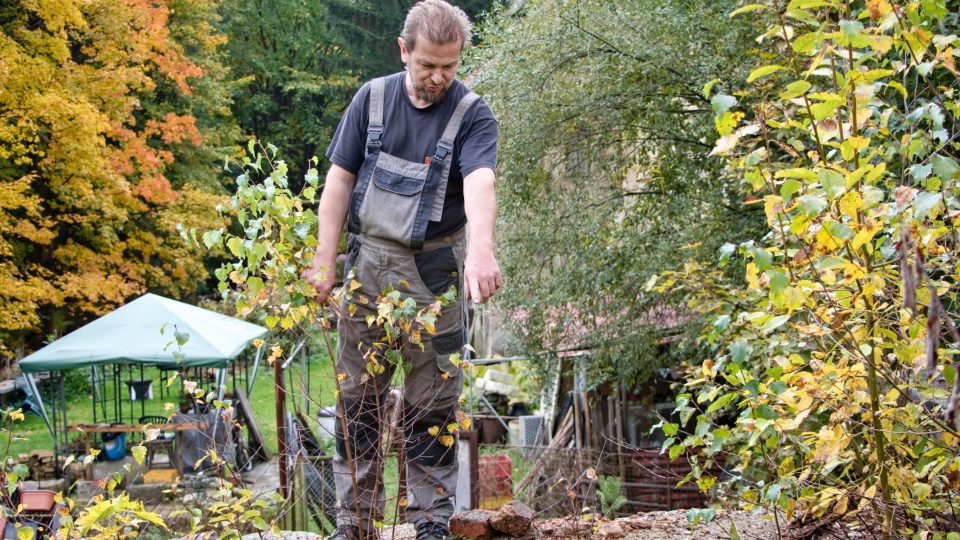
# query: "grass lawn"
[32,433]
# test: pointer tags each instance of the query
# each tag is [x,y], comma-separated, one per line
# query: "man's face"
[431,67]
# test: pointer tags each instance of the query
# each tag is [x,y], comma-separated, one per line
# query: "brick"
[473,525]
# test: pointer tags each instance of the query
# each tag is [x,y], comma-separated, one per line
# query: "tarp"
[132,335]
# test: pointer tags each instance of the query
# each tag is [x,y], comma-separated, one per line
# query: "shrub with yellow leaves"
[265,281]
[829,389]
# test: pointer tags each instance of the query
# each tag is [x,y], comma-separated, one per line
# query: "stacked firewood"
[40,463]
[76,471]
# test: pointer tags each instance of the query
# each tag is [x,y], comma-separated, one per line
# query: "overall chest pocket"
[397,183]
[389,208]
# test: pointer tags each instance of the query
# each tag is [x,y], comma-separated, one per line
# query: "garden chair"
[164,442]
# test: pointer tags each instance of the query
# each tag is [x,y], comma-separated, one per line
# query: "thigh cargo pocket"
[447,346]
[449,381]
[438,269]
[436,375]
[450,343]
[389,207]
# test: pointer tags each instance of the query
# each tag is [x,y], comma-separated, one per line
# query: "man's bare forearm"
[331,214]
[332,211]
[480,203]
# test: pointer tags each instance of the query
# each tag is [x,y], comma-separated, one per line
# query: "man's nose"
[436,77]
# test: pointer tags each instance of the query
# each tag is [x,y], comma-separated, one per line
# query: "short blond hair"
[437,21]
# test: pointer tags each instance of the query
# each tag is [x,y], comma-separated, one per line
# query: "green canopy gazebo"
[138,334]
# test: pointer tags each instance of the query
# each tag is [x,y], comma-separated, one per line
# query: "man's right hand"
[321,275]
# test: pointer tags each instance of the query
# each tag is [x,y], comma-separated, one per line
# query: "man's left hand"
[482,276]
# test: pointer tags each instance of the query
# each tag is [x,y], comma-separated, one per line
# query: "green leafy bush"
[828,391]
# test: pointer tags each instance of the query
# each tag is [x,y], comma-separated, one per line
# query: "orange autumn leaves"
[94,108]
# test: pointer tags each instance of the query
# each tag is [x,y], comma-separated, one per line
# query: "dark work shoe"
[345,532]
[351,532]
[433,530]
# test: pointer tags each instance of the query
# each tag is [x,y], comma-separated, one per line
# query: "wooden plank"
[578,442]
[259,444]
[131,428]
[178,453]
[611,431]
[619,408]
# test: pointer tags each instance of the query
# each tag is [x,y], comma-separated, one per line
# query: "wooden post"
[475,467]
[281,399]
[618,422]
[596,412]
[577,420]
[400,447]
[611,424]
[297,503]
[588,429]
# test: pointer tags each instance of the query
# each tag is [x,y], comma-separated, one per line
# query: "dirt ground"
[648,526]
[670,525]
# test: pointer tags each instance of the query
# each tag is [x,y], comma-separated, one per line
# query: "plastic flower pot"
[115,445]
[140,390]
[37,500]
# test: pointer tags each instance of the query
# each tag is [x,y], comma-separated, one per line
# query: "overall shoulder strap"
[445,144]
[375,115]
[442,154]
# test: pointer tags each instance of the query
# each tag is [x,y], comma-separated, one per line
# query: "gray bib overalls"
[395,199]
[391,206]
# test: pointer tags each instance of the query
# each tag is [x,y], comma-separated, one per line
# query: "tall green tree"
[603,181]
[193,26]
[298,63]
[290,75]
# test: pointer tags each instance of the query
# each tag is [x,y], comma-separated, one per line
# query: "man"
[413,161]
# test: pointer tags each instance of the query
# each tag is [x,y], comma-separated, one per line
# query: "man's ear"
[403,49]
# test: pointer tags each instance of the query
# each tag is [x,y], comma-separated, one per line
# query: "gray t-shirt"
[412,134]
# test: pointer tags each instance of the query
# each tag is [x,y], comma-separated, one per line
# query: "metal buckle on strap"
[373,136]
[443,150]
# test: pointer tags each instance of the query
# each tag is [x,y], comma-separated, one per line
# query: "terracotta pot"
[37,500]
